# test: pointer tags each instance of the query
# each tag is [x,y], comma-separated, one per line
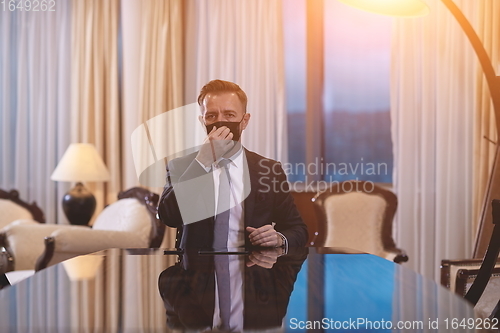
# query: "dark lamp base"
[79,205]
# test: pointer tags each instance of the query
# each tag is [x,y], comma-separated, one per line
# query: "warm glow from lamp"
[83,267]
[403,8]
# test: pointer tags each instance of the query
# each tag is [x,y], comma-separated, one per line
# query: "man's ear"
[246,119]
[200,118]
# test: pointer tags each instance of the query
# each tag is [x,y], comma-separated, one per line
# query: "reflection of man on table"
[258,210]
[254,297]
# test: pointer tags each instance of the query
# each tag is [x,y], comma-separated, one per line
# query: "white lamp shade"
[81,163]
[402,8]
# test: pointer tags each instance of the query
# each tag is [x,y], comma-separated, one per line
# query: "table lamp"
[80,163]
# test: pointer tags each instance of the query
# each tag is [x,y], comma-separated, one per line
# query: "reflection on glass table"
[230,292]
[309,289]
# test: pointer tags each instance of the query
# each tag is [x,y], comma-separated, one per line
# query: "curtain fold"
[34,104]
[95,109]
[485,131]
[153,56]
[241,41]
[153,72]
[98,306]
[432,110]
[96,118]
[161,58]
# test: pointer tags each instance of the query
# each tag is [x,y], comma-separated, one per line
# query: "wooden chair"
[450,269]
[471,278]
[120,225]
[130,222]
[358,215]
[485,306]
[488,265]
[14,209]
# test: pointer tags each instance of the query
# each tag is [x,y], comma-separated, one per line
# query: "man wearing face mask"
[225,196]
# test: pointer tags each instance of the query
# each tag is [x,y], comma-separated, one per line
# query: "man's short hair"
[220,86]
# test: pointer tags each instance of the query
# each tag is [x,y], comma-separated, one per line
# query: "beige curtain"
[143,308]
[241,41]
[98,305]
[95,116]
[161,72]
[123,296]
[432,109]
[34,104]
[485,132]
[161,62]
[153,85]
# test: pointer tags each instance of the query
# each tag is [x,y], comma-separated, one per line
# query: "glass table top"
[160,290]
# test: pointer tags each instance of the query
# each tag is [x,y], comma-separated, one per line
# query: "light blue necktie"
[221,226]
[221,234]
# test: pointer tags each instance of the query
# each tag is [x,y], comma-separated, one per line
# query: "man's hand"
[216,144]
[264,236]
[264,258]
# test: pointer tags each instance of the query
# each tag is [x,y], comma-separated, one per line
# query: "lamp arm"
[493,81]
[491,78]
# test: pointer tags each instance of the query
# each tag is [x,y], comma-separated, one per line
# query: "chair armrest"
[19,222]
[90,240]
[68,243]
[450,269]
[23,221]
[396,255]
[24,240]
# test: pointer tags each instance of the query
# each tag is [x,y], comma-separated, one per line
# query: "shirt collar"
[237,158]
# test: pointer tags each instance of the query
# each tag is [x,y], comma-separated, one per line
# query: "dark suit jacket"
[188,291]
[269,201]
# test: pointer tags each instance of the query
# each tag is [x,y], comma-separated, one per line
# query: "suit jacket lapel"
[254,185]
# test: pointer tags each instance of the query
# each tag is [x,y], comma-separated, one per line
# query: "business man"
[224,195]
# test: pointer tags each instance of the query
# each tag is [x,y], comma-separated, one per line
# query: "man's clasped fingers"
[266,258]
[264,236]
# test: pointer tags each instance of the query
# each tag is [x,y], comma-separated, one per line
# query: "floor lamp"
[412,8]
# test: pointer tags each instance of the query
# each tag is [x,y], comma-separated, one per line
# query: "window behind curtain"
[356,100]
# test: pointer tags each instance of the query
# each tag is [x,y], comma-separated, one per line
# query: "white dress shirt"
[240,189]
[236,235]
[237,165]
